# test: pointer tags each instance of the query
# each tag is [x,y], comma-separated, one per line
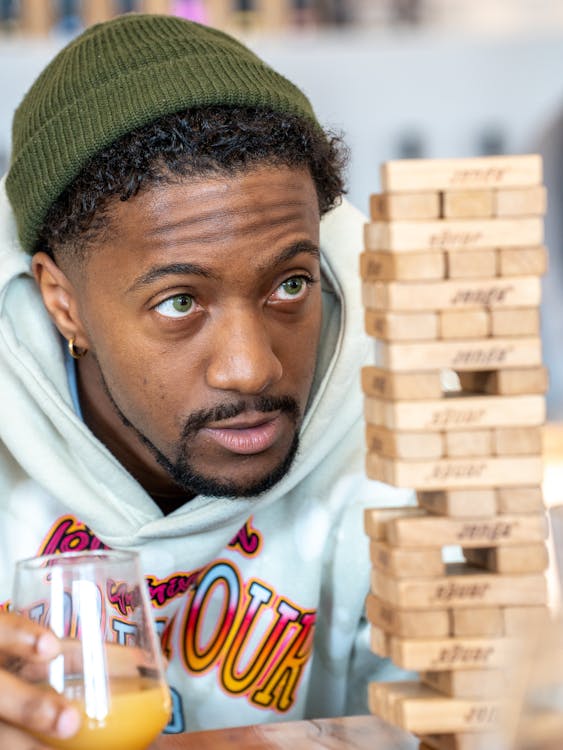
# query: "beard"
[185,476]
[183,472]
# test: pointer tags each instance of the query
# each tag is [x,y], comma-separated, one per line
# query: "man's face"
[203,313]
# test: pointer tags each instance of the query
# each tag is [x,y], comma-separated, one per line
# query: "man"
[179,361]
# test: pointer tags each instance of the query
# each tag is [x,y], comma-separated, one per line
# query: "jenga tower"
[451,286]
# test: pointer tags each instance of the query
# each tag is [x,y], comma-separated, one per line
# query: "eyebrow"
[194,269]
[171,269]
[303,246]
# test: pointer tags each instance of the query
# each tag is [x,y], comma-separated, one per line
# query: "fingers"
[122,661]
[15,739]
[25,707]
[36,709]
[19,637]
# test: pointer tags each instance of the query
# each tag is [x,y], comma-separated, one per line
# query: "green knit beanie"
[118,76]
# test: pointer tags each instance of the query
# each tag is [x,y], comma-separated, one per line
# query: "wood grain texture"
[512,292]
[456,473]
[472,264]
[453,234]
[348,733]
[473,173]
[461,354]
[456,413]
[403,266]
[423,205]
[469,590]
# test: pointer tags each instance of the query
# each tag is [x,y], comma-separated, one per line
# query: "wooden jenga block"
[395,693]
[465,443]
[520,321]
[407,623]
[379,642]
[456,413]
[403,266]
[406,561]
[453,234]
[513,381]
[521,558]
[36,17]
[460,355]
[424,531]
[467,204]
[466,683]
[463,741]
[376,699]
[376,519]
[484,622]
[403,444]
[463,324]
[462,590]
[440,654]
[511,441]
[505,382]
[408,385]
[383,696]
[513,500]
[453,715]
[437,713]
[422,205]
[521,291]
[530,201]
[524,620]
[401,326]
[521,261]
[471,264]
[477,503]
[453,473]
[461,174]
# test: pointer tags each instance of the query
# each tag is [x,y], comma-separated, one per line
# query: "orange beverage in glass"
[110,666]
[138,712]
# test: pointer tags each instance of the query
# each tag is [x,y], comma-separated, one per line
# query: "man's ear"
[59,297]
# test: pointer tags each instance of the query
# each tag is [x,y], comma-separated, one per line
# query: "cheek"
[151,385]
[299,349]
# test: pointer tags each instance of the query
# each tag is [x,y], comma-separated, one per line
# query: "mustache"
[200,419]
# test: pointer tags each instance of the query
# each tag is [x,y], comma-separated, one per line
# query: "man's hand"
[24,707]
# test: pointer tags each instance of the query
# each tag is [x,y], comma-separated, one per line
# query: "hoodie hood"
[41,431]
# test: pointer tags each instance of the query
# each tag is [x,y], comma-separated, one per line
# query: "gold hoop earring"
[75,351]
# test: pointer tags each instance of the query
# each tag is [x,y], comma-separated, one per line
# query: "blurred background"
[400,78]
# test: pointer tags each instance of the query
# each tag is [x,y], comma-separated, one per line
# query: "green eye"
[293,286]
[182,303]
[177,306]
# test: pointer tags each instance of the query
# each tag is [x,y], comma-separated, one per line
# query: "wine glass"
[110,665]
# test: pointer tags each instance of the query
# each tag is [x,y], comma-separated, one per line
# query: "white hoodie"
[277,569]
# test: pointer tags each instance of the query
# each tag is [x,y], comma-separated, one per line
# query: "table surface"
[352,732]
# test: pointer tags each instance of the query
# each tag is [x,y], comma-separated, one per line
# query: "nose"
[243,358]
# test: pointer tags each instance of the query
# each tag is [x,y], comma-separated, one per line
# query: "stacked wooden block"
[451,288]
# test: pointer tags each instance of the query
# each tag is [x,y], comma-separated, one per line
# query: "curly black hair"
[203,141]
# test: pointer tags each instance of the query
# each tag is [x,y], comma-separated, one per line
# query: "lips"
[247,434]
